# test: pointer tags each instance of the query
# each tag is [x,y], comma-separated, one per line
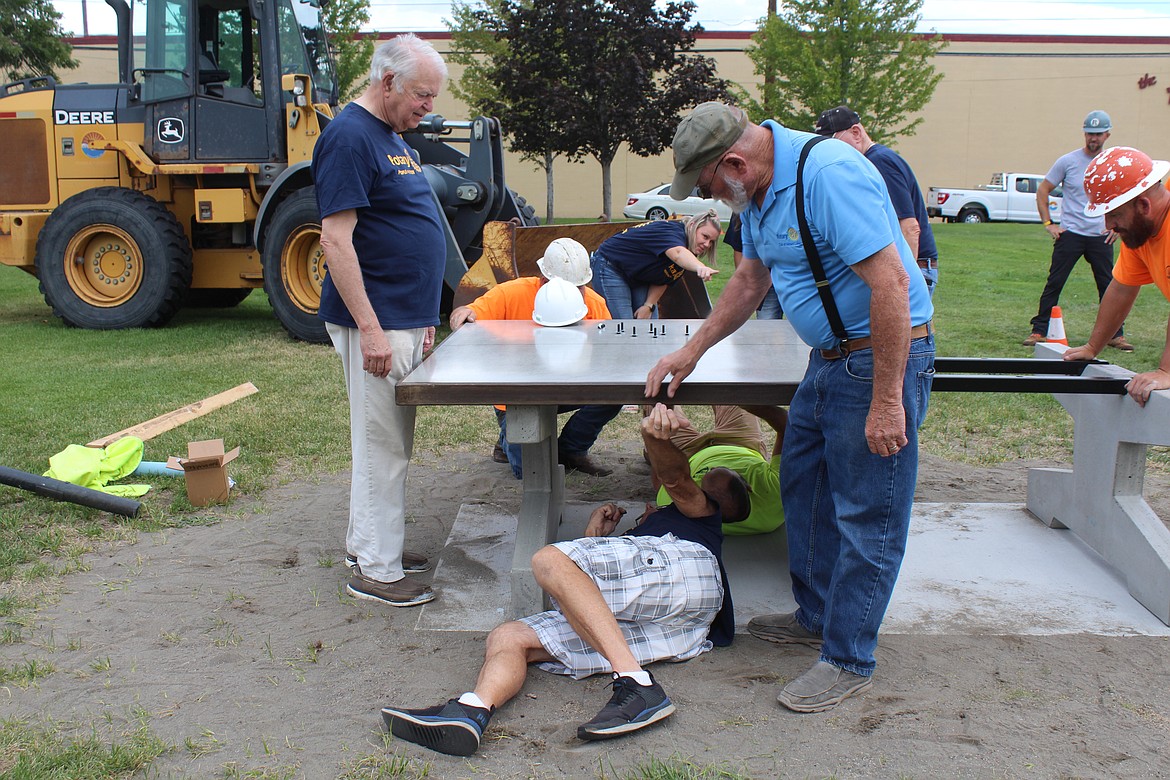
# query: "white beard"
[739,199]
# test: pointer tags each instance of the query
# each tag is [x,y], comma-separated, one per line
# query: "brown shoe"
[1033,340]
[583,464]
[402,593]
[498,454]
[412,563]
[783,629]
[1119,342]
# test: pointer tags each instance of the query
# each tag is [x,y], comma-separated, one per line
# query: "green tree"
[593,74]
[864,53]
[480,44]
[31,40]
[351,50]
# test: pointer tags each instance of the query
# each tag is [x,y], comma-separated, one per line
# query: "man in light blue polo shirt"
[851,448]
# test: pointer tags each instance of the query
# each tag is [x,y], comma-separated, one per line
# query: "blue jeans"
[848,510]
[770,307]
[621,297]
[578,435]
[931,277]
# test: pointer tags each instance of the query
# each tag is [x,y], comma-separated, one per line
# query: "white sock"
[471,700]
[642,677]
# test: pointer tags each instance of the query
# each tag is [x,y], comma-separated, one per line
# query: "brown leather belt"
[865,342]
[928,264]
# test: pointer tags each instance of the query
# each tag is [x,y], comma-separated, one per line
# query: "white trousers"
[381,437]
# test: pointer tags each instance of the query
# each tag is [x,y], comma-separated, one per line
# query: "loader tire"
[112,258]
[294,266]
[527,212]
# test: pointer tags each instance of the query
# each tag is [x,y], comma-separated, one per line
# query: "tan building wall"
[1005,103]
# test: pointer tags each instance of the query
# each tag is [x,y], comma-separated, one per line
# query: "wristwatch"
[1047,222]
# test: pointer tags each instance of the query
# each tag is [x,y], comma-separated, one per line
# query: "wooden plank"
[165,422]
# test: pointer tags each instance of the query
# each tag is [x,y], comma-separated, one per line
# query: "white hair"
[402,55]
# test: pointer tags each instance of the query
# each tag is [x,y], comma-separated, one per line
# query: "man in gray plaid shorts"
[620,603]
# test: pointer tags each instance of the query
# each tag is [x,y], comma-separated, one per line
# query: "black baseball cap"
[835,120]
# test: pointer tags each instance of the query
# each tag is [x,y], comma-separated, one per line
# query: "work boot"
[583,464]
[1033,340]
[1119,342]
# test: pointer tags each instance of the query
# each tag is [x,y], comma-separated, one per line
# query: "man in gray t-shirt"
[1076,236]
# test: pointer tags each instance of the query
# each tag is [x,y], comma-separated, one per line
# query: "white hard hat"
[558,303]
[566,259]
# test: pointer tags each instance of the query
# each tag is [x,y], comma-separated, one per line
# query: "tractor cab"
[207,75]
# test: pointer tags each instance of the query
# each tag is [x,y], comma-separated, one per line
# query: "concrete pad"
[472,572]
[969,569]
[996,569]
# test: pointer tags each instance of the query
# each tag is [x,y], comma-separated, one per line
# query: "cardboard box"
[205,469]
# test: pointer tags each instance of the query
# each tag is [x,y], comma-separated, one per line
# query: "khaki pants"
[732,426]
[382,440]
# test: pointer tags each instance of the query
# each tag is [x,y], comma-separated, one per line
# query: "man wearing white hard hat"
[1079,233]
[1128,189]
[559,298]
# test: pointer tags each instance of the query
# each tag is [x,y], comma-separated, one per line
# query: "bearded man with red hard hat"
[1128,188]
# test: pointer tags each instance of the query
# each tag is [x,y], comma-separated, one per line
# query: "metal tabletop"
[519,362]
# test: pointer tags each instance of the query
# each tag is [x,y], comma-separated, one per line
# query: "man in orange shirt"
[1125,185]
[516,300]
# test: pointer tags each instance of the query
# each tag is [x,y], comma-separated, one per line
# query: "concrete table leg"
[534,428]
[1101,499]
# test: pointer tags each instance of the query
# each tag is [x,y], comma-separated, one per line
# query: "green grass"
[31,752]
[673,768]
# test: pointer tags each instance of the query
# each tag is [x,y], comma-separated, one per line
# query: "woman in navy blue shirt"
[632,269]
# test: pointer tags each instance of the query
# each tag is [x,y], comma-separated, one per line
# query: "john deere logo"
[171,130]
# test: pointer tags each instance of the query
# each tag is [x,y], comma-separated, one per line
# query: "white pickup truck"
[1009,197]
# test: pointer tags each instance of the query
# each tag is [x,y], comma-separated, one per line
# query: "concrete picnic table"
[534,369]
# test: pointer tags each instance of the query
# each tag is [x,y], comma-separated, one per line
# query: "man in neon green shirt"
[737,443]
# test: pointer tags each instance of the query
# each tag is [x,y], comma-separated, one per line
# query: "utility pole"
[85,18]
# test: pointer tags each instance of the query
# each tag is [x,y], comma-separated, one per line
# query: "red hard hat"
[1118,175]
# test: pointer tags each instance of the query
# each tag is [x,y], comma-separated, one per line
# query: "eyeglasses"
[705,189]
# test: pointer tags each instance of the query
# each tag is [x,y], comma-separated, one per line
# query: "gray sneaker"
[783,629]
[401,593]
[412,562]
[821,688]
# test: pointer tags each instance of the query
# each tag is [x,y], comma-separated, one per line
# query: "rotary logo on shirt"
[405,164]
[793,235]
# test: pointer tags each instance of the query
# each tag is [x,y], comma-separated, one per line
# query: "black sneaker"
[451,728]
[412,563]
[631,707]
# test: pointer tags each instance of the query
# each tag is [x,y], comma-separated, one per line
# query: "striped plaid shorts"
[664,592]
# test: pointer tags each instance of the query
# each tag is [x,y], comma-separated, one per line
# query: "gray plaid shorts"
[664,592]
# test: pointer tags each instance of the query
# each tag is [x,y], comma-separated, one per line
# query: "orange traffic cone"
[1056,328]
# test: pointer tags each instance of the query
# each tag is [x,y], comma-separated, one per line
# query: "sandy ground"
[236,643]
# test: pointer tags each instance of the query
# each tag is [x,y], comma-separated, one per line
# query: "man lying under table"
[656,593]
